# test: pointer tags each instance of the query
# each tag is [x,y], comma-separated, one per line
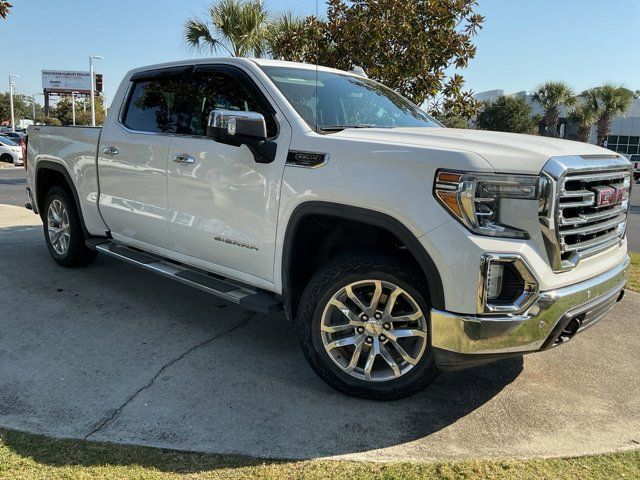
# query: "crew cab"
[396,247]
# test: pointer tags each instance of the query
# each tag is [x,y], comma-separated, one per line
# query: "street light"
[73,107]
[93,88]
[13,120]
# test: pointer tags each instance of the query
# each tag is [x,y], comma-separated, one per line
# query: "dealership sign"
[65,81]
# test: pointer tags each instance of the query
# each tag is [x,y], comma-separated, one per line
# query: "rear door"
[224,205]
[132,156]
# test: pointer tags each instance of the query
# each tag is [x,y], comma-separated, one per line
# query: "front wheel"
[63,230]
[364,327]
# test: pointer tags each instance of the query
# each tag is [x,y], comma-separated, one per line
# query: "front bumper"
[466,340]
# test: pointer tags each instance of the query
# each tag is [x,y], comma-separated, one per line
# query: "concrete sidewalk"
[116,354]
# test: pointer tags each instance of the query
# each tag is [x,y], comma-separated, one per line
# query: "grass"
[26,456]
[634,273]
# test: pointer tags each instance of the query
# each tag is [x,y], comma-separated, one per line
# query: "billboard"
[66,81]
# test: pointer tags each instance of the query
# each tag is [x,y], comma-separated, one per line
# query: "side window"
[218,90]
[160,105]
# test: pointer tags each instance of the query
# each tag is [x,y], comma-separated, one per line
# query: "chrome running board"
[245,296]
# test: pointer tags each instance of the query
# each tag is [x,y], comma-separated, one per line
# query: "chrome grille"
[577,222]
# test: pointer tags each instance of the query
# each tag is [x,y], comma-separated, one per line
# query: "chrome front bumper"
[460,340]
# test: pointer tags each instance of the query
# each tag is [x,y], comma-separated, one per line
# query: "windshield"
[4,140]
[345,101]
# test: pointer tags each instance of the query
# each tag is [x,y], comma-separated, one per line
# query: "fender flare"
[58,167]
[363,215]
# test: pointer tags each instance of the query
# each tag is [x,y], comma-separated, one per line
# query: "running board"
[246,297]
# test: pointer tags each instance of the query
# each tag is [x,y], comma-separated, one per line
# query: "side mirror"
[233,127]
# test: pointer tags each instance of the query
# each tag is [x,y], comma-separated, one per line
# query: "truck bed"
[73,149]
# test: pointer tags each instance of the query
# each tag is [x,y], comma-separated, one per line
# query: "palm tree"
[5,7]
[612,101]
[585,114]
[238,27]
[551,95]
[282,28]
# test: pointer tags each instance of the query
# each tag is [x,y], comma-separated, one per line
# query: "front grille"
[584,227]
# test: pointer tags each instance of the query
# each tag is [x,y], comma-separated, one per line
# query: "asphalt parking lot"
[116,354]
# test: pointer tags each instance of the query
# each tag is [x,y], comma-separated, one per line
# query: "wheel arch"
[61,178]
[378,220]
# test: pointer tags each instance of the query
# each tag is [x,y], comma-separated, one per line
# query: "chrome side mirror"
[234,127]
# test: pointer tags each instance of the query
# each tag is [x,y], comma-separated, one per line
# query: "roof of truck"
[239,61]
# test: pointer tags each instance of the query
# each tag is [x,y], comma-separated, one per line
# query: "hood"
[506,152]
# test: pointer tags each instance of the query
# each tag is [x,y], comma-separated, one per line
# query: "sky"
[523,43]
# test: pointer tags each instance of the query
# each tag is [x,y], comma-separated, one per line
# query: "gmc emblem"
[608,196]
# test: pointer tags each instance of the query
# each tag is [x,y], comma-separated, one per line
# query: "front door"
[223,206]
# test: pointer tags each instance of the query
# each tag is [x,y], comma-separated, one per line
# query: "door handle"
[184,158]
[110,150]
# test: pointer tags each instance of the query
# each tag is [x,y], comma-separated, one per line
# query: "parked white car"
[395,246]
[10,151]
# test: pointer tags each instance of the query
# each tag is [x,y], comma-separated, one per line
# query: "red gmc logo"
[608,196]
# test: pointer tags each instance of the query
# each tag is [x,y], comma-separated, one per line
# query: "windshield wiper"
[337,128]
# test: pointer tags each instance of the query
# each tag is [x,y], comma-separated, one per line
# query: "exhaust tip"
[570,330]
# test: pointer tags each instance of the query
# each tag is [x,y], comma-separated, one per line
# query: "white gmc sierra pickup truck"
[397,247]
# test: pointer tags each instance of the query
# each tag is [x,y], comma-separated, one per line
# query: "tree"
[238,27]
[507,114]
[452,121]
[585,114]
[612,101]
[5,8]
[551,96]
[413,47]
[64,113]
[21,107]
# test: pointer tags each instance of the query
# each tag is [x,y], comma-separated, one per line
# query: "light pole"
[93,88]
[73,108]
[13,120]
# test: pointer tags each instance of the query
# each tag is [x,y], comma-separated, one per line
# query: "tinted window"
[218,90]
[160,105]
[6,141]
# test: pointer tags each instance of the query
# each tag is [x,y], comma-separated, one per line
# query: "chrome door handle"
[184,158]
[110,150]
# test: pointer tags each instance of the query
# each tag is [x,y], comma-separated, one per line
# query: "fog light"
[494,280]
[506,284]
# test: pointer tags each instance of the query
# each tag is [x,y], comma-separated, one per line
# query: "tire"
[6,158]
[316,315]
[70,249]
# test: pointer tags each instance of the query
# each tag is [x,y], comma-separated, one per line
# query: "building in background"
[625,130]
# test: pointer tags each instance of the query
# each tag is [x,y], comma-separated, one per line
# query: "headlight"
[475,199]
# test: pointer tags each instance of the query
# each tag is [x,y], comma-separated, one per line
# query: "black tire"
[329,280]
[6,158]
[77,254]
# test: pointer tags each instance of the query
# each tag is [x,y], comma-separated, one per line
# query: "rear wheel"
[364,327]
[63,231]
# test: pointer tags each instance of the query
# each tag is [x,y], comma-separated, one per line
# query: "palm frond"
[5,8]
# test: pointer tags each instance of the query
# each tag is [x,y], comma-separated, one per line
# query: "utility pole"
[13,120]
[93,88]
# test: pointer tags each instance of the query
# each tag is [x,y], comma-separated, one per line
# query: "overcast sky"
[523,43]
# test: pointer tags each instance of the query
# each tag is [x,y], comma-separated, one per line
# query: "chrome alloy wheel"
[374,330]
[58,227]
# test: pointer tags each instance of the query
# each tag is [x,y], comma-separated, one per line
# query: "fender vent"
[306,159]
